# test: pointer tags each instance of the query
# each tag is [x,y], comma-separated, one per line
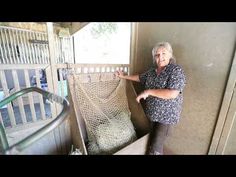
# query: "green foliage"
[103,29]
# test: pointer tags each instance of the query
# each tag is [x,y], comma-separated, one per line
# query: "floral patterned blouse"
[166,111]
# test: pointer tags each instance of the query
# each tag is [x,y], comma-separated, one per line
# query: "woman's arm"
[121,75]
[160,93]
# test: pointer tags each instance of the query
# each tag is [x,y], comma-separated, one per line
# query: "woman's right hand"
[120,74]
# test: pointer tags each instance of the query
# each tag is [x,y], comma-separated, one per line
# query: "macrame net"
[104,107]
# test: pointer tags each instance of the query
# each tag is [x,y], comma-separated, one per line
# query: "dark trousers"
[157,137]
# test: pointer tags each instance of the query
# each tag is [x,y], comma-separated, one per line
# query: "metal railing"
[26,142]
[20,46]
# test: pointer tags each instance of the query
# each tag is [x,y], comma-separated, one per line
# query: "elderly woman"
[163,94]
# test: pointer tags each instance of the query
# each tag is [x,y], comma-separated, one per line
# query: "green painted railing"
[23,144]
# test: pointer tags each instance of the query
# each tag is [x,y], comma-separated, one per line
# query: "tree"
[103,29]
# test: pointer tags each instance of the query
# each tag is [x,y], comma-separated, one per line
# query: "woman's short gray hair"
[167,46]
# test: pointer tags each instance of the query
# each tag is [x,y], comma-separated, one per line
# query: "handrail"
[18,147]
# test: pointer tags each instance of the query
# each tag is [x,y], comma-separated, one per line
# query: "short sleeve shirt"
[166,111]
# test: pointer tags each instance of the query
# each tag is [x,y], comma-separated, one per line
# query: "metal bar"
[1,49]
[26,43]
[22,47]
[40,96]
[37,49]
[23,66]
[66,48]
[25,48]
[20,146]
[1,121]
[3,139]
[43,50]
[6,93]
[15,46]
[71,50]
[20,54]
[57,50]
[95,65]
[29,48]
[4,47]
[61,83]
[8,49]
[50,89]
[18,29]
[30,96]
[33,50]
[62,45]
[47,49]
[42,53]
[12,51]
[20,101]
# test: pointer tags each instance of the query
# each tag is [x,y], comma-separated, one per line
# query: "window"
[103,43]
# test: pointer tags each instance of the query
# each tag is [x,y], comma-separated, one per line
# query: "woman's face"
[162,57]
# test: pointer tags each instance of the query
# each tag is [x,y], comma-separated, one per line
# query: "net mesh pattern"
[104,107]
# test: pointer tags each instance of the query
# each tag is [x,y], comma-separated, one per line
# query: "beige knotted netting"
[104,107]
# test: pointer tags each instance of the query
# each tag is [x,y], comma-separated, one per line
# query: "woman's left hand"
[143,95]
